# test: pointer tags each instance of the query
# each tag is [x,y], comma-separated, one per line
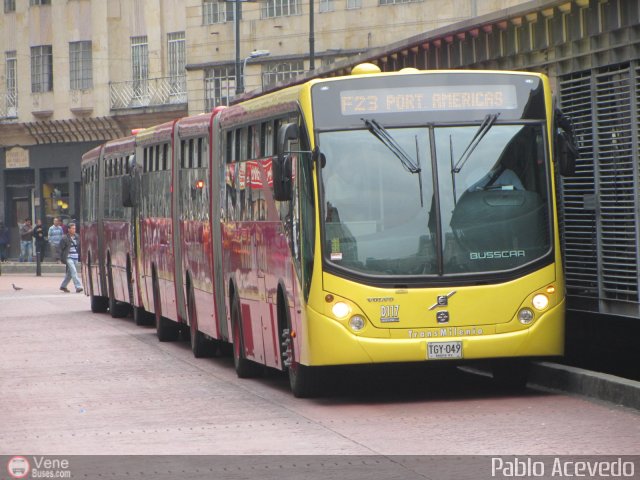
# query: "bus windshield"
[381,220]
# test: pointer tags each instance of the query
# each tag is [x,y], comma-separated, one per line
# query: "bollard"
[38,266]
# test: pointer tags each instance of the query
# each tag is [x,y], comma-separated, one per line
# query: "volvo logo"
[442,300]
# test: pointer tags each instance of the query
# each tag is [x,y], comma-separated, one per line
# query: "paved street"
[73,382]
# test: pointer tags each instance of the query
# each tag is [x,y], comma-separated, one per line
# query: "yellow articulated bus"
[392,217]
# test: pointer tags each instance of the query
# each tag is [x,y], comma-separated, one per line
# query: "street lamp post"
[237,9]
[254,54]
[312,48]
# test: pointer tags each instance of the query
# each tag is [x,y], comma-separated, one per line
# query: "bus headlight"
[540,301]
[526,316]
[356,323]
[341,310]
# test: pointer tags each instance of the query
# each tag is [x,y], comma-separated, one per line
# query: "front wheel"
[304,381]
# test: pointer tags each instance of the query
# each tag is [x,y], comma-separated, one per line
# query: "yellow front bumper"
[328,342]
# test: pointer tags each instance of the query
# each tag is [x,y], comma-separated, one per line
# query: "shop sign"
[17,157]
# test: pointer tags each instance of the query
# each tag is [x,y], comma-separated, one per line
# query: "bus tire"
[200,346]
[304,381]
[99,304]
[244,368]
[141,316]
[166,330]
[511,374]
[116,309]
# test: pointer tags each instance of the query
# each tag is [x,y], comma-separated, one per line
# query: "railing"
[9,105]
[148,92]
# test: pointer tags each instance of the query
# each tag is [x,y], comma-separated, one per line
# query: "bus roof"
[91,156]
[194,125]
[157,134]
[120,146]
[270,104]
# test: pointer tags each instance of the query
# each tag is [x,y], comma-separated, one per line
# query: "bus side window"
[268,138]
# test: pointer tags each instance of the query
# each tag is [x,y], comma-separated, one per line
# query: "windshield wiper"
[485,126]
[385,137]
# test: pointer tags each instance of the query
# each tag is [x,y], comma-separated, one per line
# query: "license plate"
[436,350]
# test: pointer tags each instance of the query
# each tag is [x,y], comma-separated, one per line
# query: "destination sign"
[428,99]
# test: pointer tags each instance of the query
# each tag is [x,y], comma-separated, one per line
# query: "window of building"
[353,4]
[39,2]
[219,86]
[176,48]
[9,6]
[11,68]
[80,65]
[280,8]
[273,73]
[326,61]
[217,11]
[41,69]
[327,6]
[140,67]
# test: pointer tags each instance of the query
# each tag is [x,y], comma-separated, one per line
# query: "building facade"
[76,73]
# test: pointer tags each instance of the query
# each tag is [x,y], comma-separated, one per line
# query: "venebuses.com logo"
[38,467]
[18,467]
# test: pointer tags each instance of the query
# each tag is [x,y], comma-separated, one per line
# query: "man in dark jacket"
[26,240]
[40,238]
[70,256]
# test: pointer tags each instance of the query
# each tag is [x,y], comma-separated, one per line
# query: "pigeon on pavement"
[16,288]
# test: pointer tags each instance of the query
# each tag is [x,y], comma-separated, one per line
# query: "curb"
[601,386]
[12,268]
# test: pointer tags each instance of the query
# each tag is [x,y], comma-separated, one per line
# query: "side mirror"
[281,166]
[566,154]
[566,151]
[128,191]
[282,178]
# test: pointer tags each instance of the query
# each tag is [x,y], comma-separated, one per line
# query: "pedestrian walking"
[4,242]
[70,256]
[54,235]
[26,240]
[41,240]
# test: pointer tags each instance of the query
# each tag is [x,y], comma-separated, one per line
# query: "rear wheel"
[244,368]
[200,345]
[141,316]
[116,308]
[99,304]
[166,330]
